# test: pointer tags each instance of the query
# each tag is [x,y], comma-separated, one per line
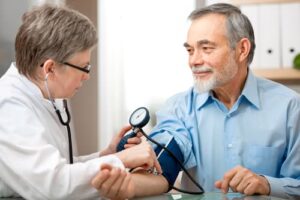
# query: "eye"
[190,51]
[207,49]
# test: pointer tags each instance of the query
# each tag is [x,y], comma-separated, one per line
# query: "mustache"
[198,69]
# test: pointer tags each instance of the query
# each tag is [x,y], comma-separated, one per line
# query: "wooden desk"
[208,196]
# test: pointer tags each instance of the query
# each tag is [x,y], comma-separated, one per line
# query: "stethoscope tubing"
[64,123]
[67,124]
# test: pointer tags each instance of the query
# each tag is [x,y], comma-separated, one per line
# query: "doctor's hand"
[241,179]
[141,155]
[113,183]
[112,147]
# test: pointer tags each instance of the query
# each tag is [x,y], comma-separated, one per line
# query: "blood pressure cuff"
[168,163]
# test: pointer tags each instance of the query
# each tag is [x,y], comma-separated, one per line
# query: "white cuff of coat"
[87,157]
[94,165]
[113,160]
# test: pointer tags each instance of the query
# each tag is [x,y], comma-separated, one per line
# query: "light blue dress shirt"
[260,132]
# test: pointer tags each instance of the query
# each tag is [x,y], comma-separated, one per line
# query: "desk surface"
[205,196]
[208,196]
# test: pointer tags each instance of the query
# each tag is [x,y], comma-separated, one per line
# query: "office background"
[140,59]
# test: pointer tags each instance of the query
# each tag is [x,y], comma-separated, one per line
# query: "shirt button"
[229,145]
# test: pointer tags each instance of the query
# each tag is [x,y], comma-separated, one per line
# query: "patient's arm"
[115,184]
[146,184]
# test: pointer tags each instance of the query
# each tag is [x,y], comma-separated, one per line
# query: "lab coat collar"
[31,87]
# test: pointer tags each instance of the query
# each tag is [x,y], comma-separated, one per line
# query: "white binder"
[251,11]
[269,40]
[290,29]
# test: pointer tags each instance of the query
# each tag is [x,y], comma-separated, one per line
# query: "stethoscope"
[65,123]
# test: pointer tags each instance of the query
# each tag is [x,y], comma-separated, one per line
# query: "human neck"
[229,93]
[41,85]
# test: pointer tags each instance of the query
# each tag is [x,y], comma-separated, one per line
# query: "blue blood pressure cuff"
[168,163]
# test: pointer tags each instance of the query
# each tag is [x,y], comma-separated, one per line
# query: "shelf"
[281,75]
[285,76]
[242,2]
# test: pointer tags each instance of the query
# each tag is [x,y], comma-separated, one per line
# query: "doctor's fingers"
[126,191]
[133,141]
[144,156]
[100,178]
[114,189]
[123,131]
[158,167]
[102,175]
[108,187]
[151,162]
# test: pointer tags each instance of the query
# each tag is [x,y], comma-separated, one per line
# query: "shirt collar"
[249,92]
[202,99]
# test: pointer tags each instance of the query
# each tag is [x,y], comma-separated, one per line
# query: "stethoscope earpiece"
[46,77]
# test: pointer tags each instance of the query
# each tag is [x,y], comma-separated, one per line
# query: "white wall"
[142,58]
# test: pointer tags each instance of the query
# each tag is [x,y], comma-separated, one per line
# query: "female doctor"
[53,49]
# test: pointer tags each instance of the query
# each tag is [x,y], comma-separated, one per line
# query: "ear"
[243,49]
[49,66]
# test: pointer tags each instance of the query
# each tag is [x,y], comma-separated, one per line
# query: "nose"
[196,59]
[85,76]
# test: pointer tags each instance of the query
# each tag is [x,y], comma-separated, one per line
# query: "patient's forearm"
[149,184]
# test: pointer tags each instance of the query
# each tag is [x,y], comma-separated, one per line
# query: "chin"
[70,96]
[73,94]
[203,86]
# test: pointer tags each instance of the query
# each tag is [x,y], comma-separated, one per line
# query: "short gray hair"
[51,32]
[238,25]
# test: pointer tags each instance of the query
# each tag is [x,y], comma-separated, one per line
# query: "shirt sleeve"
[284,187]
[288,183]
[170,124]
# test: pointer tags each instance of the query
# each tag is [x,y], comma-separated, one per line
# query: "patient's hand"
[243,180]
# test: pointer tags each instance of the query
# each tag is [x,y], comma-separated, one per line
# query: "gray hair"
[237,24]
[51,32]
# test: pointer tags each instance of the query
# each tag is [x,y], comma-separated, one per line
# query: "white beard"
[204,86]
[218,77]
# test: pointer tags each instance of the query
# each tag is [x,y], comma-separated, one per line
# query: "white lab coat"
[34,157]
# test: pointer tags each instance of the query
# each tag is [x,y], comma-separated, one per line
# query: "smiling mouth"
[202,72]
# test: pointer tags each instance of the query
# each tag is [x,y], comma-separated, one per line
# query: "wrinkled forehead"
[210,27]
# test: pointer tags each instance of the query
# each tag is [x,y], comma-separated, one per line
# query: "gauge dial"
[140,117]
